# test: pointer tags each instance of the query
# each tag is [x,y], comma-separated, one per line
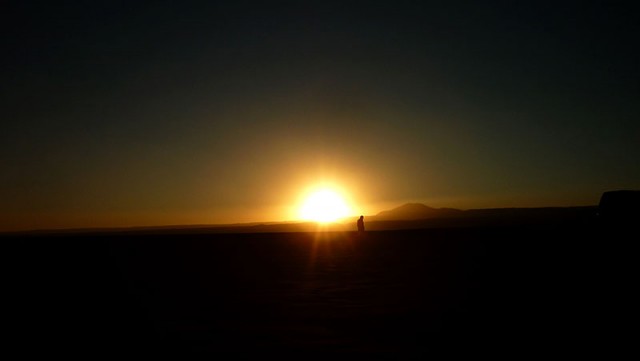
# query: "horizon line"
[116,228]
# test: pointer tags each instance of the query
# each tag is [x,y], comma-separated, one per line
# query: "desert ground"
[316,295]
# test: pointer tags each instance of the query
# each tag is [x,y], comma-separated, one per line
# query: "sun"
[324,205]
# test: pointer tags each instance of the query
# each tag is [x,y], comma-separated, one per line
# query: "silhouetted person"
[361,225]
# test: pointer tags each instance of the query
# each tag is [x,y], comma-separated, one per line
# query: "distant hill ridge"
[419,211]
[411,211]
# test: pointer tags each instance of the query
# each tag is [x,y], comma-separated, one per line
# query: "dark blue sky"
[166,112]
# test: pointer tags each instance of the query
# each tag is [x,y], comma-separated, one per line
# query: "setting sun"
[324,205]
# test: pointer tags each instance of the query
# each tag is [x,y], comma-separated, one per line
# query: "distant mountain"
[416,215]
[411,211]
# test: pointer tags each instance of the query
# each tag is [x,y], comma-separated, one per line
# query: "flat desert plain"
[316,295]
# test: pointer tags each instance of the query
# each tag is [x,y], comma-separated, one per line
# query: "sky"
[122,113]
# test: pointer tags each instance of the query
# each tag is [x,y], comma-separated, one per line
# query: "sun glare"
[324,205]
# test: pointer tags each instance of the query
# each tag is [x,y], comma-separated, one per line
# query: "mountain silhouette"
[620,204]
[411,211]
[417,215]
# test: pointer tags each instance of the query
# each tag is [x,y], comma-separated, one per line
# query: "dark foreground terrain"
[317,295]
